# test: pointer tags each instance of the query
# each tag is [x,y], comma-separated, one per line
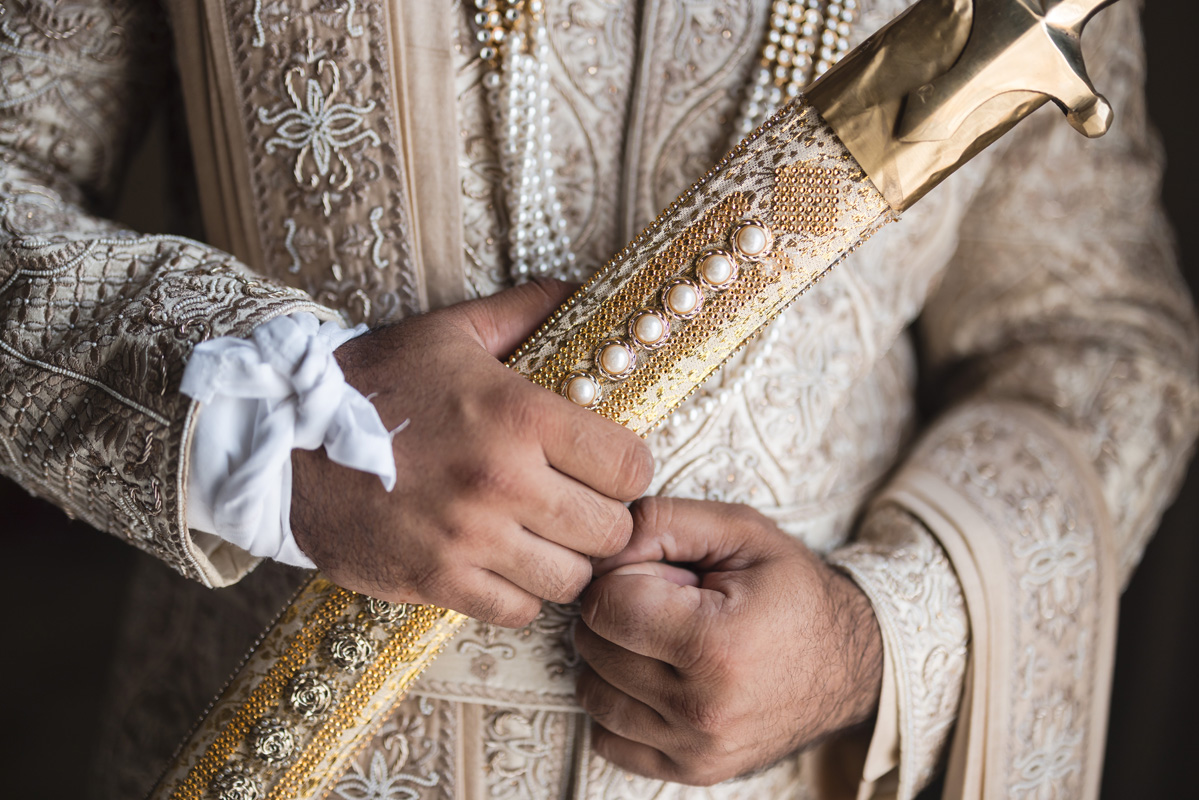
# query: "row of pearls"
[806,37]
[682,298]
[514,43]
[802,43]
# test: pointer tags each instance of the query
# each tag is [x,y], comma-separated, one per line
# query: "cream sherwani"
[991,534]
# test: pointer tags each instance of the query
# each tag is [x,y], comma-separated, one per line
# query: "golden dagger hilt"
[948,77]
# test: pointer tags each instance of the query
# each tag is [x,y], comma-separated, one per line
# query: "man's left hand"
[754,650]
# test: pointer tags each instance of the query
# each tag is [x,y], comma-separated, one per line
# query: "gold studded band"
[720,263]
[723,260]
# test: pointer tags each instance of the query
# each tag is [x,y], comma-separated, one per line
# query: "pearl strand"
[802,43]
[515,44]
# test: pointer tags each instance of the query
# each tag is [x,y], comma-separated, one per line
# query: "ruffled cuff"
[262,397]
[918,602]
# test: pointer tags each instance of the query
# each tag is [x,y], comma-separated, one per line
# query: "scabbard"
[779,211]
[907,107]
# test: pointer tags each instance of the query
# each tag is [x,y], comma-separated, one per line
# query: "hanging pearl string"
[515,44]
[806,37]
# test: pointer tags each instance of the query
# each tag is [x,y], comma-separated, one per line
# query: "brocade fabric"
[1056,337]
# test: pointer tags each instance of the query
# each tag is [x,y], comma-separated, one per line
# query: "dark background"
[61,576]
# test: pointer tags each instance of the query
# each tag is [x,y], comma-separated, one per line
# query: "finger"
[694,532]
[488,597]
[505,319]
[541,567]
[575,516]
[619,713]
[645,679]
[593,450]
[667,572]
[635,757]
[652,616]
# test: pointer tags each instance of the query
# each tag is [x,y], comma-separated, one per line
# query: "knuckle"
[702,738]
[426,576]
[514,612]
[617,531]
[694,768]
[648,512]
[594,700]
[520,407]
[708,719]
[483,478]
[603,526]
[596,606]
[748,518]
[637,469]
[567,579]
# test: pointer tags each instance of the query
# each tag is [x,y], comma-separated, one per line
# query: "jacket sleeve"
[1066,344]
[96,321]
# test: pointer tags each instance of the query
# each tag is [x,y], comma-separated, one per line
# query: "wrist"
[862,649]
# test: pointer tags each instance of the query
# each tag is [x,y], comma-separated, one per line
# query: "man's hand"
[503,489]
[703,674]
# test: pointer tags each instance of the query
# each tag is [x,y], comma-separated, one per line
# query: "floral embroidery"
[320,127]
[379,782]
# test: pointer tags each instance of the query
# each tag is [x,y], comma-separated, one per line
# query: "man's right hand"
[503,488]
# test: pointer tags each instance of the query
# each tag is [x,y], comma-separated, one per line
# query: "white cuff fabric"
[262,397]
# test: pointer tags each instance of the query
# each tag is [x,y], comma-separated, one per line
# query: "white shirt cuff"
[261,398]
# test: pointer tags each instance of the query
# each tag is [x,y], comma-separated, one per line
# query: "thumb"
[660,569]
[695,532]
[504,320]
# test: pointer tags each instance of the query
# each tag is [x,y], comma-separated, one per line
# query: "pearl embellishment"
[682,299]
[650,328]
[751,239]
[717,269]
[582,389]
[616,359]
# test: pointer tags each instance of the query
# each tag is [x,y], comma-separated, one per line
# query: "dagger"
[877,132]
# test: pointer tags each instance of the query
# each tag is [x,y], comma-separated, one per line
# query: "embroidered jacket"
[1054,327]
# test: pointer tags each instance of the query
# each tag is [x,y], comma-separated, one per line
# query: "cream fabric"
[1056,335]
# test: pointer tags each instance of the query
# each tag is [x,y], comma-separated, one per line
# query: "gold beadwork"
[639,290]
[406,654]
[266,695]
[806,198]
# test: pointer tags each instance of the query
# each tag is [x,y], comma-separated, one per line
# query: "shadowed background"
[64,584]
